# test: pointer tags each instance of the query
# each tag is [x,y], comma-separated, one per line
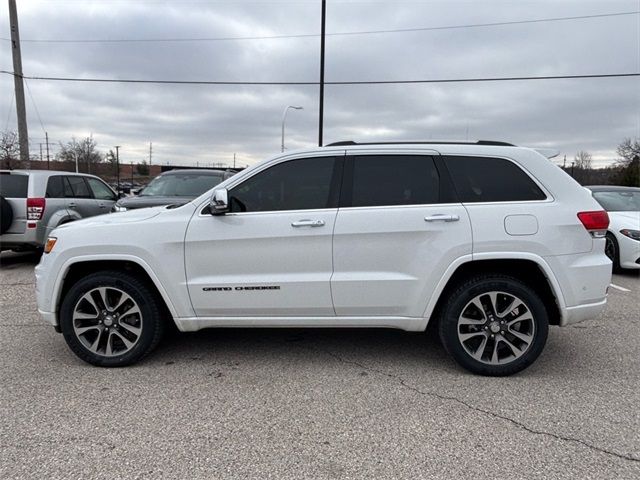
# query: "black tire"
[459,303]
[6,215]
[612,251]
[151,319]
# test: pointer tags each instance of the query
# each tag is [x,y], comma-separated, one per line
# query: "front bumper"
[629,251]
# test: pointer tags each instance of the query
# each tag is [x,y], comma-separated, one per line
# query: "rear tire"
[494,325]
[6,215]
[111,319]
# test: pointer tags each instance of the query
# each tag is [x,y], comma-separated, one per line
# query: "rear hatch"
[14,188]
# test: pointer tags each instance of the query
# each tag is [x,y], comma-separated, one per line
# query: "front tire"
[612,251]
[111,319]
[494,325]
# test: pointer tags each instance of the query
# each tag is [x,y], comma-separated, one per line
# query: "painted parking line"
[618,287]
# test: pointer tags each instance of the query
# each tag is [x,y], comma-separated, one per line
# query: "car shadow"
[10,260]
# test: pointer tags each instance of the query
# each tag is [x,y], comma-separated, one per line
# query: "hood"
[114,219]
[151,201]
[625,219]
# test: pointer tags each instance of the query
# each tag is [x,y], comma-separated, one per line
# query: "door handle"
[102,205]
[71,205]
[440,217]
[308,223]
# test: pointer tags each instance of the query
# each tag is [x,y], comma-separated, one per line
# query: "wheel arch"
[75,270]
[527,267]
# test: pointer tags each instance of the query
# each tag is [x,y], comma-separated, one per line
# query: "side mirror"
[219,204]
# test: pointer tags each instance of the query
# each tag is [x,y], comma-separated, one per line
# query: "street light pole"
[117,147]
[284,118]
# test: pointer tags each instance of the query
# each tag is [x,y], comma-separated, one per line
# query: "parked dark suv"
[175,187]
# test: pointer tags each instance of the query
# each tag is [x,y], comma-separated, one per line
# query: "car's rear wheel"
[612,251]
[494,325]
[111,319]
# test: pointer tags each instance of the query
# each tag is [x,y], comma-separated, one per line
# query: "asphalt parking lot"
[316,403]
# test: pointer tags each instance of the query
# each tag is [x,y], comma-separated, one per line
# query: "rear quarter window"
[486,179]
[14,185]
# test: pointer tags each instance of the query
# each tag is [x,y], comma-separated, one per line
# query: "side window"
[55,187]
[480,179]
[394,180]
[77,188]
[295,185]
[100,190]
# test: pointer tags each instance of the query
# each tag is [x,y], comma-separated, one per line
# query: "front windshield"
[619,200]
[180,185]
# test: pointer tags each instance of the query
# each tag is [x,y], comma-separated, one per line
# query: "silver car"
[34,202]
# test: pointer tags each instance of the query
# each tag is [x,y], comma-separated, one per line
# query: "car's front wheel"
[111,319]
[494,325]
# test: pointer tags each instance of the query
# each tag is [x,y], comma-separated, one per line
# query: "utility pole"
[322,35]
[564,163]
[117,147]
[150,150]
[18,80]
[234,160]
[46,136]
[40,152]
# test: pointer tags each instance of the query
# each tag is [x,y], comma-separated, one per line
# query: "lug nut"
[492,335]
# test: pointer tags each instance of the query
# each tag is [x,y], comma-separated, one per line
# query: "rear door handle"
[308,223]
[440,217]
[71,205]
[102,205]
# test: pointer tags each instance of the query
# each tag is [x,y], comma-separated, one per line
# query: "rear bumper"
[582,312]
[31,237]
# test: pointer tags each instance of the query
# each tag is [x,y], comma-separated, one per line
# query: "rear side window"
[55,187]
[394,180]
[483,179]
[77,188]
[13,186]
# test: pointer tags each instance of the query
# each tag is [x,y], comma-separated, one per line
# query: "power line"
[33,102]
[356,82]
[335,34]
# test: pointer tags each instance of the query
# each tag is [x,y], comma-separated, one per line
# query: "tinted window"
[13,186]
[480,179]
[619,200]
[296,185]
[78,187]
[181,185]
[100,190]
[55,187]
[394,180]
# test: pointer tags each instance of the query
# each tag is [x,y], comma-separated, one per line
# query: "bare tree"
[9,150]
[583,160]
[83,150]
[628,149]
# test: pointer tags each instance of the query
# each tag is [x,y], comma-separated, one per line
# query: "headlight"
[118,208]
[635,234]
[51,242]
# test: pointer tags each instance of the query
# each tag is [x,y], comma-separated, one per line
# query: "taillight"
[35,208]
[595,222]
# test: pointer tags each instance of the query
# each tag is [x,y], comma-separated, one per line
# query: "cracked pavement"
[236,403]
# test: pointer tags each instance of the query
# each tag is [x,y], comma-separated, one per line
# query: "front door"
[398,229]
[271,255]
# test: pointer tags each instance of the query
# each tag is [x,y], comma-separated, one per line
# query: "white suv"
[491,241]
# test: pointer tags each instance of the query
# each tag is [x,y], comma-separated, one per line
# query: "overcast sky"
[209,123]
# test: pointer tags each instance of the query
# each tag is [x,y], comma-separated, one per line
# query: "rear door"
[14,187]
[79,196]
[398,229]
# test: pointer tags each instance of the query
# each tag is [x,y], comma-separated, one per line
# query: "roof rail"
[492,143]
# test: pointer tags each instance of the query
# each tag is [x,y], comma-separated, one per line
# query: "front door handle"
[308,223]
[102,205]
[440,217]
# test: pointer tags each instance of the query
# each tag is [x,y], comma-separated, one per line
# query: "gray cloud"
[205,124]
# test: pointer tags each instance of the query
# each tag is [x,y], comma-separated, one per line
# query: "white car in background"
[623,234]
